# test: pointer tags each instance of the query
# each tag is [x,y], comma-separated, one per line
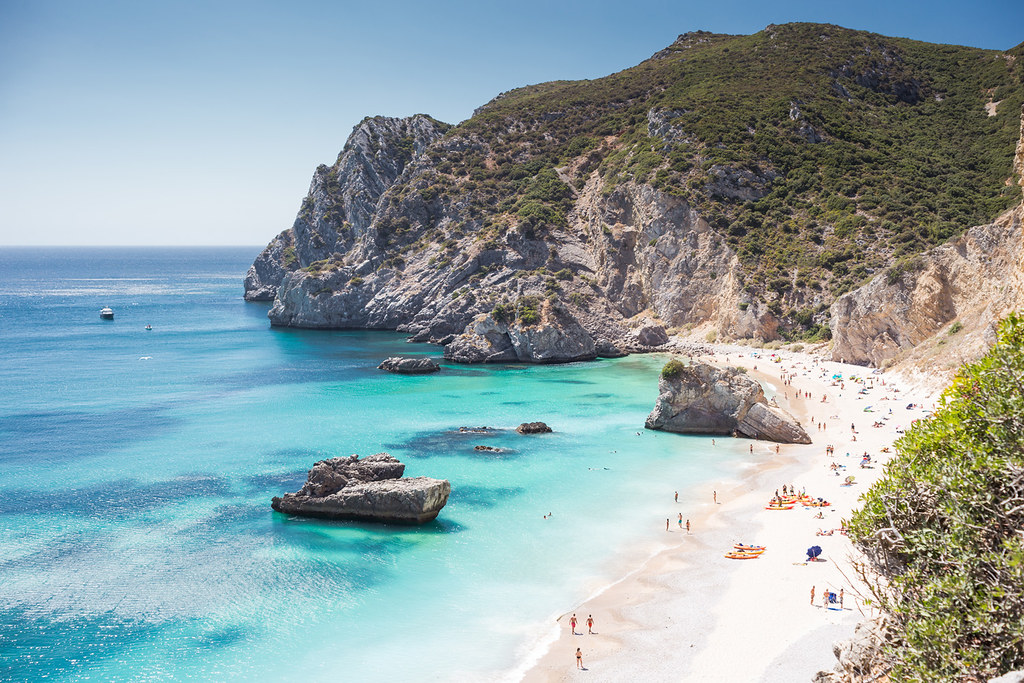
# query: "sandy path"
[690,614]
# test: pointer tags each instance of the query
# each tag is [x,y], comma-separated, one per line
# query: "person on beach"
[714,497]
[680,521]
[841,591]
[677,496]
[812,595]
[572,623]
[590,624]
[666,524]
[687,526]
[579,659]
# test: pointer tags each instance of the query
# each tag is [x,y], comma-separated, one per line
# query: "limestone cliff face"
[343,198]
[910,312]
[623,258]
[270,267]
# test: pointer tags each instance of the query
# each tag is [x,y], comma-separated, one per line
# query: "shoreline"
[685,611]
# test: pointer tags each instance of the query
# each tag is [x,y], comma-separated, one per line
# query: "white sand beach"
[690,614]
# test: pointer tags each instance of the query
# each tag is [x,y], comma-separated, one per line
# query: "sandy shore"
[690,614]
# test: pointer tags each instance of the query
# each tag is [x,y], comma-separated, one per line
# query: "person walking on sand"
[841,591]
[666,524]
[812,595]
[680,521]
[579,659]
[572,623]
[590,624]
[687,526]
[714,497]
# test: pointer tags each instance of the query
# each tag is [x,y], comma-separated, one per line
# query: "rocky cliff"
[605,207]
[941,305]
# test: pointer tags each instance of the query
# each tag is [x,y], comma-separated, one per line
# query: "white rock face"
[704,399]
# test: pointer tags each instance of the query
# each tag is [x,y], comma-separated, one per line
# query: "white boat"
[107,313]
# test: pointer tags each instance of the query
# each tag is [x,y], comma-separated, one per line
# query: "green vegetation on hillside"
[944,527]
[821,154]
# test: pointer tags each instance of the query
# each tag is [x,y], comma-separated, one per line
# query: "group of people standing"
[590,630]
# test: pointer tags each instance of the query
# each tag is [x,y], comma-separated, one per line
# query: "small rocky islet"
[370,489]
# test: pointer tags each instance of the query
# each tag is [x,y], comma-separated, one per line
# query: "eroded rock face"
[557,338]
[268,270]
[858,657]
[343,198]
[370,489]
[704,399]
[409,366]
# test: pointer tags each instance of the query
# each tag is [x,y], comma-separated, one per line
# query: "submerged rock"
[704,399]
[370,489]
[533,428]
[409,366]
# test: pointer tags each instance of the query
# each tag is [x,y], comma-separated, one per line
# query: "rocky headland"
[704,399]
[570,221]
[370,489]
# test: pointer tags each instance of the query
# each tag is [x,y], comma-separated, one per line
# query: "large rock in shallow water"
[409,366]
[370,489]
[704,399]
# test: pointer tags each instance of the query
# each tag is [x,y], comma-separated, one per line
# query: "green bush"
[942,527]
[673,368]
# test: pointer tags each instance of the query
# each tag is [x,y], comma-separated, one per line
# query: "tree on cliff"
[943,528]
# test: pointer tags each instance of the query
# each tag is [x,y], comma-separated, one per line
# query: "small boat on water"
[149,327]
[107,313]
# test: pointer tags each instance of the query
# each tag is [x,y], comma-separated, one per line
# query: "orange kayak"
[750,548]
[743,556]
[778,507]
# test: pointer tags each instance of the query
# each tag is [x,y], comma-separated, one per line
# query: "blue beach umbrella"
[813,552]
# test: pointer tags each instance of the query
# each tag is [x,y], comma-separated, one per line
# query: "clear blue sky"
[140,122]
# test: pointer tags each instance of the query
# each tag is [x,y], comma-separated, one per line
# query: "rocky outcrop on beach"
[409,366]
[533,428]
[704,399]
[370,489]
[857,657]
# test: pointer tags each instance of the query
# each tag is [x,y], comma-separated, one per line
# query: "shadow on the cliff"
[44,437]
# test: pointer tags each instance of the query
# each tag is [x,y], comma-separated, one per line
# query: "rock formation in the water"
[636,212]
[409,366]
[533,428]
[370,489]
[704,399]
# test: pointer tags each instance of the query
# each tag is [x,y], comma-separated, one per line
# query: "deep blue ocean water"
[136,470]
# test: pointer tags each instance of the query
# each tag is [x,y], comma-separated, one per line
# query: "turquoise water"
[136,536]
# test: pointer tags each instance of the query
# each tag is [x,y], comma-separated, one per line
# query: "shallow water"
[136,535]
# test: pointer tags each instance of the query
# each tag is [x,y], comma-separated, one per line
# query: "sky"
[139,122]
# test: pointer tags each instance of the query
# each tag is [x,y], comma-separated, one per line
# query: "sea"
[137,465]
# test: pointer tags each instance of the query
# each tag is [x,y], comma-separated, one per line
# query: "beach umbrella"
[813,552]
